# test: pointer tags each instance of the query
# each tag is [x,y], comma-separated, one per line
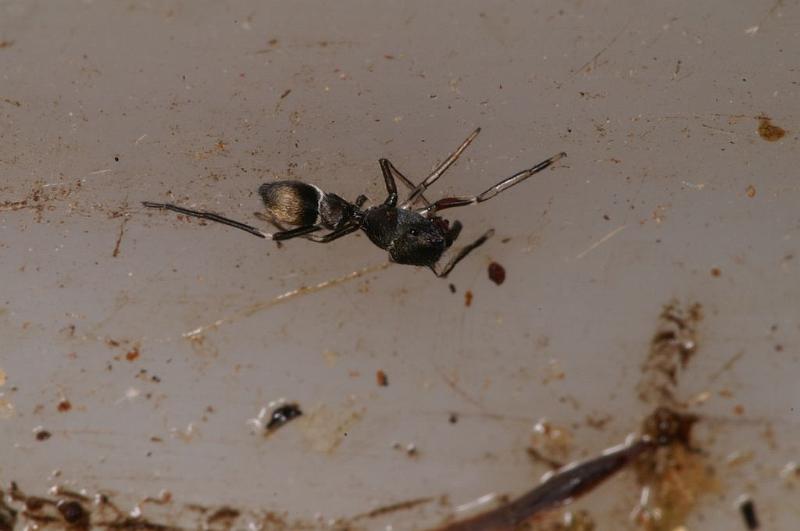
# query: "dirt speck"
[768,131]
[382,378]
[325,427]
[64,406]
[716,272]
[748,510]
[43,435]
[468,298]
[550,442]
[497,273]
[750,191]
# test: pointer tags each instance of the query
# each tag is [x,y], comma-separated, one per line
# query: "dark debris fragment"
[282,415]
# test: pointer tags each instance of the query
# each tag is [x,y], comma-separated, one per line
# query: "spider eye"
[413,232]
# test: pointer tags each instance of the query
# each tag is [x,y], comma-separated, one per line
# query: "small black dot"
[116,159]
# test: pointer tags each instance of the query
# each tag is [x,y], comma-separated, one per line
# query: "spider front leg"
[405,180]
[388,179]
[439,171]
[306,232]
[210,216]
[462,253]
[452,202]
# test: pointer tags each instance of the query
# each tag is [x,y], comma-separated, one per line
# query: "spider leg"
[406,181]
[439,170]
[462,253]
[271,220]
[202,214]
[334,235]
[452,202]
[294,233]
[391,186]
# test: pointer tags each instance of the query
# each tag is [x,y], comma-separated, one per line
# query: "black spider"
[412,234]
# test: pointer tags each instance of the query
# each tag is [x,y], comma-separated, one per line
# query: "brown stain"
[43,197]
[120,234]
[716,272]
[64,406]
[750,191]
[676,474]
[768,131]
[382,378]
[671,349]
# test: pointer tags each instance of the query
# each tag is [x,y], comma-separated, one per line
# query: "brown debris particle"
[394,507]
[64,406]
[468,298]
[750,191]
[73,513]
[497,273]
[224,514]
[6,44]
[132,354]
[382,378]
[716,272]
[768,131]
[43,435]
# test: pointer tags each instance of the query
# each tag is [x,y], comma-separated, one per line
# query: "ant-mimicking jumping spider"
[413,236]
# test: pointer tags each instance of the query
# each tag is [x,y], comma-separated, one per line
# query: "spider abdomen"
[292,202]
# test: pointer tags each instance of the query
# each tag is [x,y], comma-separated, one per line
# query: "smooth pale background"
[656,105]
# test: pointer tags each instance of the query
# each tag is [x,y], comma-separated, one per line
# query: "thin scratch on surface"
[728,365]
[451,382]
[98,172]
[119,237]
[610,43]
[698,186]
[601,241]
[718,129]
[304,290]
[138,140]
[394,507]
